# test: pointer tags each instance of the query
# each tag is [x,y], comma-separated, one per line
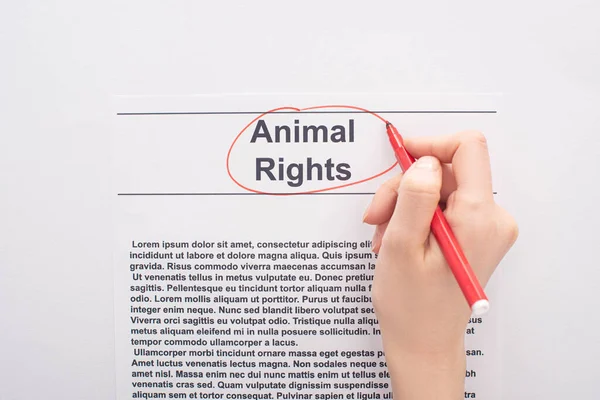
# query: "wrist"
[423,375]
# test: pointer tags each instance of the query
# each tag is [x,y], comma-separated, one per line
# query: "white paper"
[301,333]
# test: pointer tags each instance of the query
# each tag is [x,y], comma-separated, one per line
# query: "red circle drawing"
[300,110]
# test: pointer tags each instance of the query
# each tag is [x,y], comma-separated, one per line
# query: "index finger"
[468,153]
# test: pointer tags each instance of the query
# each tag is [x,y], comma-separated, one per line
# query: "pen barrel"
[404,158]
[457,261]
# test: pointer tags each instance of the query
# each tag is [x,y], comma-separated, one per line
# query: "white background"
[61,61]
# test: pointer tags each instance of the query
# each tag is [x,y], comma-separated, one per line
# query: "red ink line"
[300,110]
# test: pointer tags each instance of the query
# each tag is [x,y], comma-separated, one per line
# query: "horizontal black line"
[249,194]
[252,194]
[313,112]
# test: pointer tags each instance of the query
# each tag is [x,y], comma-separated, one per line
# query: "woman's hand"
[422,312]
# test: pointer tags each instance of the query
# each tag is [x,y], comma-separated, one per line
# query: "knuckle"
[415,187]
[509,229]
[392,185]
[390,240]
[376,296]
[473,136]
[469,203]
[387,191]
[395,240]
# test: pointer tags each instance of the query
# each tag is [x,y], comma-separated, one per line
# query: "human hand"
[421,310]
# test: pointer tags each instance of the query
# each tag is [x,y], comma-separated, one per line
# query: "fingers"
[382,206]
[448,182]
[468,153]
[418,197]
[377,236]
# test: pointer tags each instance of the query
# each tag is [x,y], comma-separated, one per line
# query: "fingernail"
[427,163]
[375,240]
[366,214]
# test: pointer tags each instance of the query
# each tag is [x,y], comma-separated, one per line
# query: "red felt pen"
[459,265]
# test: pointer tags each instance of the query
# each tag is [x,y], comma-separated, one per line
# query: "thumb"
[418,197]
